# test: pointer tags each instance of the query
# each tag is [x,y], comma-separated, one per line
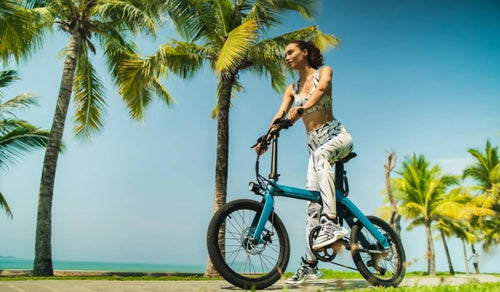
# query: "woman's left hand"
[293,114]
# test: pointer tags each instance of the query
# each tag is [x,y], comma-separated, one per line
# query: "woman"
[327,139]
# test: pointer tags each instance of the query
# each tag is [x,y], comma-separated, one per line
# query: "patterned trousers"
[327,144]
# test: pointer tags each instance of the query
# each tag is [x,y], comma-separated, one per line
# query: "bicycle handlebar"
[281,123]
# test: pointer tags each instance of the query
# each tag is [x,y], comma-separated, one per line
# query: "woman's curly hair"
[314,57]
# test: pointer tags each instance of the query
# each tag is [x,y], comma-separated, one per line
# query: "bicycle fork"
[259,221]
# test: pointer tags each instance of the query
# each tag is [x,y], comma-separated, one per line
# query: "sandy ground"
[153,286]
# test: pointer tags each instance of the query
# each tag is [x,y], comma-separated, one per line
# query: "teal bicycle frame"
[346,209]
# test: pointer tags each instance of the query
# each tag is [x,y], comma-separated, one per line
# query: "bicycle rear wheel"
[380,267]
[241,261]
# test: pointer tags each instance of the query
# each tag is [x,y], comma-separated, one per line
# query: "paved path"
[209,286]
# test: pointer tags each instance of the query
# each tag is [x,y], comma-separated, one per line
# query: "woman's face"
[294,56]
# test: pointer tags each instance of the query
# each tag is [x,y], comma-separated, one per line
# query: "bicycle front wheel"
[379,266]
[239,259]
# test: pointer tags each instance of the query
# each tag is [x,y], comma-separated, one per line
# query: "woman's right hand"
[260,150]
[262,144]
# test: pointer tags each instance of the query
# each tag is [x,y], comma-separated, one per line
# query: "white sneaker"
[329,233]
[304,272]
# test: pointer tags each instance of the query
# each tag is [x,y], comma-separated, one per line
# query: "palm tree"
[486,172]
[473,210]
[420,191]
[395,219]
[229,36]
[106,22]
[454,212]
[16,136]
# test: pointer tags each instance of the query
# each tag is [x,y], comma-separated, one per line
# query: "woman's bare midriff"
[316,119]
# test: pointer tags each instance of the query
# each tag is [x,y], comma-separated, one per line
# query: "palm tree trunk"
[450,265]
[430,255]
[474,261]
[222,157]
[465,257]
[43,247]
[395,220]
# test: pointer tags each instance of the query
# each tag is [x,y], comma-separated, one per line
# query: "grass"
[129,276]
[472,287]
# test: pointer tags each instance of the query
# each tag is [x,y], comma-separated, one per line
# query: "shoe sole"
[328,242]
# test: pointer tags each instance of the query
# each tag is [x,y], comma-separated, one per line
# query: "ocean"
[12,263]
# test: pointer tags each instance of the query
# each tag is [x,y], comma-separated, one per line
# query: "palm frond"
[236,46]
[415,223]
[485,163]
[161,92]
[226,17]
[182,58]
[138,78]
[22,31]
[306,8]
[268,12]
[323,41]
[117,48]
[7,77]
[193,20]
[22,101]
[128,14]
[5,206]
[89,99]
[24,138]
[384,212]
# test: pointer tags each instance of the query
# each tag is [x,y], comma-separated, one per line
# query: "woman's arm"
[325,80]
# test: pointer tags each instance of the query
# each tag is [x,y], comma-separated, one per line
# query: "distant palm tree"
[83,22]
[16,136]
[486,173]
[229,36]
[420,193]
[456,209]
[486,169]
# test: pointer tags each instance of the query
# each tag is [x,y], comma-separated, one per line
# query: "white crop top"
[323,103]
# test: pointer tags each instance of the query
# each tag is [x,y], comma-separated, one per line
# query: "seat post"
[339,176]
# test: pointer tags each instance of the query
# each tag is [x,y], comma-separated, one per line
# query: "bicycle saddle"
[348,157]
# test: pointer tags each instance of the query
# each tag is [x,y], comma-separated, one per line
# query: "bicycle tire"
[386,269]
[237,267]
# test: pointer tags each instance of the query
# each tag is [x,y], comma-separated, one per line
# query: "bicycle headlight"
[253,187]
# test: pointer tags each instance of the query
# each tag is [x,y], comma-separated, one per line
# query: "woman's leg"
[320,174]
[313,213]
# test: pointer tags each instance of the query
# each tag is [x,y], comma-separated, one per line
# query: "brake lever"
[280,119]
[259,140]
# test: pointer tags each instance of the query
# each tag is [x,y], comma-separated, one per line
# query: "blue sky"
[410,76]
